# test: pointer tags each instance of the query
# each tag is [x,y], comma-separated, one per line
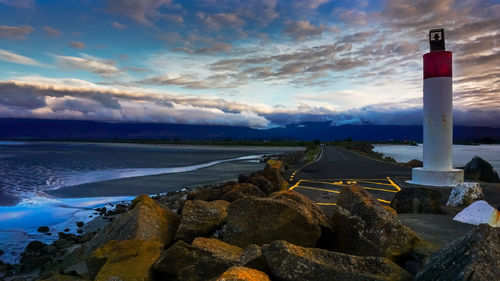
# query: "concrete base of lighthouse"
[423,176]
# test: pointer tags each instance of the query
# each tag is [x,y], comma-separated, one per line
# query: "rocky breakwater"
[255,229]
[479,169]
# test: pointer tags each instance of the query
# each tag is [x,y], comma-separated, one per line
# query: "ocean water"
[462,154]
[29,171]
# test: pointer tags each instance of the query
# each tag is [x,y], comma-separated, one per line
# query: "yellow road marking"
[376,183]
[337,184]
[330,183]
[352,179]
[393,184]
[321,189]
[295,185]
[372,188]
[332,204]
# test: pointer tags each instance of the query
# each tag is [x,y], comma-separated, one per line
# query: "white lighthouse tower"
[438,118]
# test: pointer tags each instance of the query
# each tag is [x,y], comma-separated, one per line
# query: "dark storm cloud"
[31,96]
[13,95]
[29,100]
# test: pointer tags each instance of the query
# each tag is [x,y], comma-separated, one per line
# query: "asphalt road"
[322,180]
[338,163]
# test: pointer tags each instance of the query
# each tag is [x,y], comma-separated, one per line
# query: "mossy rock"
[286,215]
[289,262]
[205,259]
[200,218]
[366,228]
[60,277]
[238,273]
[242,190]
[129,260]
[146,220]
[218,249]
[275,164]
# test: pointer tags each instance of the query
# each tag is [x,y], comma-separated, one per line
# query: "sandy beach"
[159,183]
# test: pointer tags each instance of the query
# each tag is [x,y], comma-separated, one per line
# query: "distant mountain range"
[77,129]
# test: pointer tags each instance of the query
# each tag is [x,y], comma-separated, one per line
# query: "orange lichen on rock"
[238,273]
[218,248]
[495,219]
[129,260]
[275,164]
[146,220]
[390,210]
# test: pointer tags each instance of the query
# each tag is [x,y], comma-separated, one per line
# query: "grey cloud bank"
[24,100]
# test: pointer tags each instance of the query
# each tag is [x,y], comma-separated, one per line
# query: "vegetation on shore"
[224,142]
[311,153]
[363,148]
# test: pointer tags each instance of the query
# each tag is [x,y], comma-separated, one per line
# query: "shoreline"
[107,192]
[231,154]
[182,218]
[160,183]
[215,144]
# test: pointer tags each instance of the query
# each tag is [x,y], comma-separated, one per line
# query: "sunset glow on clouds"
[256,63]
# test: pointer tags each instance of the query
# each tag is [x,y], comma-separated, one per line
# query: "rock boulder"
[275,164]
[363,227]
[60,277]
[146,220]
[238,273]
[479,169]
[414,163]
[464,194]
[475,257]
[478,213]
[35,255]
[205,259]
[290,262]
[200,218]
[416,200]
[241,190]
[43,229]
[269,180]
[252,257]
[283,216]
[129,260]
[210,193]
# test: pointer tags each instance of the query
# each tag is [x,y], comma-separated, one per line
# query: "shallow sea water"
[29,170]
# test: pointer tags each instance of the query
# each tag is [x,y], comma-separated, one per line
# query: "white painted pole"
[438,111]
[438,118]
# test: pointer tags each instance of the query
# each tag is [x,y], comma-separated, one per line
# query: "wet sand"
[154,184]
[159,183]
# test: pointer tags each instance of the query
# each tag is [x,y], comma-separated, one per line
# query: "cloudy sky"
[255,63]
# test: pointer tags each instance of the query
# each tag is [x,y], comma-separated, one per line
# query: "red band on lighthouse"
[437,64]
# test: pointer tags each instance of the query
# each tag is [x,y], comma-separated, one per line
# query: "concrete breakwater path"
[336,167]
